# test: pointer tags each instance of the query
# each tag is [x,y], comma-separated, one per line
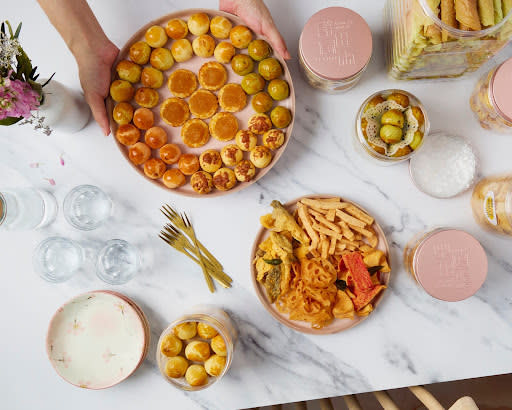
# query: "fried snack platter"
[318,247]
[201,122]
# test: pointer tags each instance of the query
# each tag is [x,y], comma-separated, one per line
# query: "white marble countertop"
[410,339]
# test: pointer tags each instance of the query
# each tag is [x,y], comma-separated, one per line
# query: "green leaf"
[10,28]
[274,262]
[10,120]
[47,81]
[374,269]
[2,27]
[341,284]
[18,29]
[24,63]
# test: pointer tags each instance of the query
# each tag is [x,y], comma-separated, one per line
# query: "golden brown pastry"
[223,126]
[240,36]
[171,345]
[224,52]
[418,114]
[176,29]
[185,330]
[151,77]
[161,59]
[231,155]
[121,90]
[259,123]
[245,171]
[182,83]
[201,182]
[399,98]
[155,36]
[246,140]
[203,330]
[156,138]
[198,24]
[147,97]
[173,178]
[127,134]
[197,351]
[281,117]
[195,133]
[143,118]
[196,375]
[174,111]
[128,71]
[219,346]
[466,13]
[203,103]
[203,46]
[448,16]
[262,102]
[220,27]
[139,52]
[176,367]
[154,168]
[210,161]
[212,75]
[273,139]
[232,98]
[170,153]
[215,365]
[139,153]
[224,179]
[122,113]
[182,50]
[188,164]
[260,156]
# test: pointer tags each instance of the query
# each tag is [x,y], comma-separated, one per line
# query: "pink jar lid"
[450,265]
[501,87]
[336,43]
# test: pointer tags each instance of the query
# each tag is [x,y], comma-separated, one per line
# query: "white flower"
[9,49]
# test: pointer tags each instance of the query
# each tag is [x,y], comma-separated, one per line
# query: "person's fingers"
[99,112]
[276,40]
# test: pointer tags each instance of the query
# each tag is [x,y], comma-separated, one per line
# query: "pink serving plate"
[337,325]
[174,133]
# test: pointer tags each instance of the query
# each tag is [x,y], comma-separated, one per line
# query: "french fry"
[323,204]
[306,222]
[326,231]
[347,233]
[350,219]
[357,213]
[365,232]
[448,16]
[325,249]
[331,215]
[332,246]
[348,243]
[466,13]
[374,241]
[320,218]
[339,248]
[358,237]
[315,253]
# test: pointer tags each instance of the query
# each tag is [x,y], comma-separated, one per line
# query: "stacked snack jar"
[335,48]
[491,100]
[492,203]
[434,38]
[449,264]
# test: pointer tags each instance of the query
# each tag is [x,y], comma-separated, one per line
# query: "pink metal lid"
[501,87]
[450,265]
[336,43]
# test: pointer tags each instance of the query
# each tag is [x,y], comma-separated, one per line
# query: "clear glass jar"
[335,48]
[492,203]
[212,316]
[421,45]
[449,264]
[491,102]
[23,209]
[364,146]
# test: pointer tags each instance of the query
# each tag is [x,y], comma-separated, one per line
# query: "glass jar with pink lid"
[335,48]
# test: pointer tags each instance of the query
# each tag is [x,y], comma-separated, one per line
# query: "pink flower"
[17,98]
[107,355]
[75,327]
[65,359]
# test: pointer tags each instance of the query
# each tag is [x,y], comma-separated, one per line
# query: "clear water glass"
[87,207]
[118,262]
[57,259]
[23,209]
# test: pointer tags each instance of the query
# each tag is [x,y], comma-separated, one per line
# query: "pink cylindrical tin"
[449,264]
[335,48]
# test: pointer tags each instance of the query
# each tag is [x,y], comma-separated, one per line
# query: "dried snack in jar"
[171,345]
[206,331]
[219,346]
[176,367]
[215,365]
[197,351]
[196,375]
[186,330]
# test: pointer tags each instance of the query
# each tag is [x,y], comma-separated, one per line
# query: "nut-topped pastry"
[232,97]
[195,133]
[273,139]
[223,126]
[224,179]
[245,171]
[259,123]
[182,83]
[261,156]
[212,75]
[203,103]
[202,182]
[246,140]
[174,111]
[210,161]
[231,155]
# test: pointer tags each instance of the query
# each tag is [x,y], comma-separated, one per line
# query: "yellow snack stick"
[506,6]
[466,13]
[486,12]
[498,11]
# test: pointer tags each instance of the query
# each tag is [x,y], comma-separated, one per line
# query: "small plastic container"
[491,100]
[492,203]
[362,141]
[335,48]
[212,316]
[449,264]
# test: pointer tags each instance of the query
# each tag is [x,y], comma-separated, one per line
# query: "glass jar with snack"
[491,100]
[391,126]
[449,264]
[444,38]
[196,350]
[492,203]
[335,48]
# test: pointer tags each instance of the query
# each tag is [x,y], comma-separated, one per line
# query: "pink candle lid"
[336,43]
[500,89]
[450,265]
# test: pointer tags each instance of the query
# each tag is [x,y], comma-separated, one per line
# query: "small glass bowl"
[364,147]
[212,316]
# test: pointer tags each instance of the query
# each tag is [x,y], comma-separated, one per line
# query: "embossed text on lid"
[336,43]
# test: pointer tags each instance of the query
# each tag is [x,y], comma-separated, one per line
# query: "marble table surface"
[410,339]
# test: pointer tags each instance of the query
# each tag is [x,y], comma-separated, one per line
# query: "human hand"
[255,14]
[94,69]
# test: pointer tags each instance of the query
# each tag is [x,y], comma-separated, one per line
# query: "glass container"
[335,48]
[492,203]
[87,207]
[449,264]
[57,259]
[118,262]
[425,38]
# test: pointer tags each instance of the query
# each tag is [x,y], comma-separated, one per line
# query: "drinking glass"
[57,259]
[117,262]
[24,209]
[87,207]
